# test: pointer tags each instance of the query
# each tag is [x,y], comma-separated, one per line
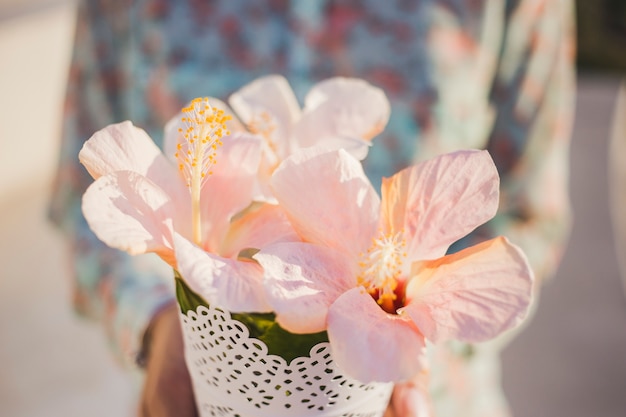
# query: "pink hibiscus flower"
[338,113]
[183,207]
[375,274]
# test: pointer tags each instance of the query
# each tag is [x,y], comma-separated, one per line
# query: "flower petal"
[441,200]
[328,199]
[356,147]
[302,280]
[124,147]
[259,226]
[273,96]
[370,344]
[343,111]
[230,189]
[118,147]
[236,286]
[129,212]
[472,295]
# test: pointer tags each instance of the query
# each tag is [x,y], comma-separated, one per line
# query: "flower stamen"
[204,128]
[381,268]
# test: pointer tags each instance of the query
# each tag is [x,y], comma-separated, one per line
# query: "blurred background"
[570,361]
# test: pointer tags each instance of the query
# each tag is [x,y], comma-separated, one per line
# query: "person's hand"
[411,398]
[167,390]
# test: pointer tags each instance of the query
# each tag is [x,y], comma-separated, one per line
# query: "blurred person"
[489,74]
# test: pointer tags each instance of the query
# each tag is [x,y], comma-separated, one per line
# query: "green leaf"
[288,345]
[247,254]
[261,326]
[187,299]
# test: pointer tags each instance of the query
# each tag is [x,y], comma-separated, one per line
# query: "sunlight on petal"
[302,280]
[273,97]
[472,295]
[121,146]
[328,199]
[226,283]
[440,201]
[230,189]
[371,345]
[344,109]
[257,227]
[129,212]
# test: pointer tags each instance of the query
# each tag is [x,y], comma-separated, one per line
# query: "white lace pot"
[233,375]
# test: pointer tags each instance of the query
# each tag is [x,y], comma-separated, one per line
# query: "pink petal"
[370,344]
[340,109]
[358,148]
[235,286]
[328,199]
[472,295]
[441,200]
[129,212]
[271,95]
[121,147]
[302,281]
[258,227]
[230,189]
[118,147]
[269,162]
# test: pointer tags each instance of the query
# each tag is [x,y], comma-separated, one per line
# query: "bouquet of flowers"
[302,291]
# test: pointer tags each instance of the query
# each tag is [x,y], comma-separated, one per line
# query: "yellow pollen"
[381,266]
[197,150]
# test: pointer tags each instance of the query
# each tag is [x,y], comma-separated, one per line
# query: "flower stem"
[196,214]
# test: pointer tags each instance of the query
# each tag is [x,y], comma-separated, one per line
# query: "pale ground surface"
[570,362]
[51,363]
